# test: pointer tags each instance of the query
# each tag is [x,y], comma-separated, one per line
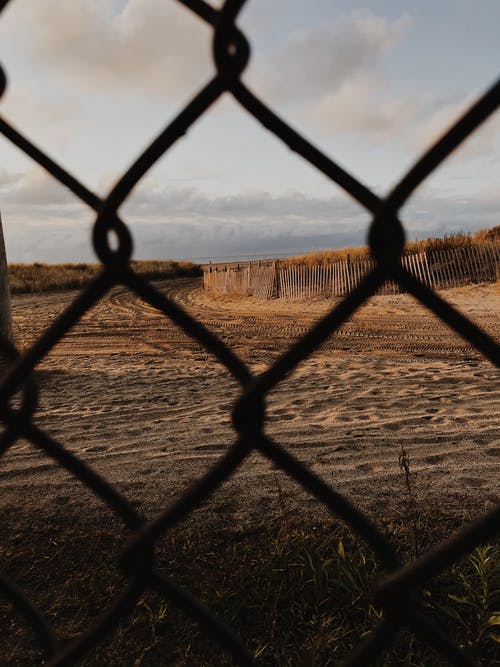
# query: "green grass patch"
[298,593]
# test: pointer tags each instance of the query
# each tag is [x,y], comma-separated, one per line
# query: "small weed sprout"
[413,514]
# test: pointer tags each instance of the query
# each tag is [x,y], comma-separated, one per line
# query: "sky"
[372,84]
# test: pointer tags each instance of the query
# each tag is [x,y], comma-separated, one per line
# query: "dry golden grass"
[448,242]
[491,235]
[38,277]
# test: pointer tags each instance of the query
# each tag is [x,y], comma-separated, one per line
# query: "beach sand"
[150,410]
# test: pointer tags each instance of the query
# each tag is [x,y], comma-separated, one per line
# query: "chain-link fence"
[396,593]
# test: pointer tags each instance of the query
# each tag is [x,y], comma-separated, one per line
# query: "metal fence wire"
[396,593]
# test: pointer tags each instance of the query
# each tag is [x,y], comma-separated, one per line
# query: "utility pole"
[5,306]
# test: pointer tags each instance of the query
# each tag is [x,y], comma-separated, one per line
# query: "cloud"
[7,179]
[45,223]
[295,209]
[332,75]
[481,143]
[361,106]
[150,45]
[316,62]
[36,112]
[35,188]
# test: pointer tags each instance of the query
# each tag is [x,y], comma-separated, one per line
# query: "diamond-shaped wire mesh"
[386,238]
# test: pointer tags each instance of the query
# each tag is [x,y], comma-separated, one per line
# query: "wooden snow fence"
[247,279]
[439,269]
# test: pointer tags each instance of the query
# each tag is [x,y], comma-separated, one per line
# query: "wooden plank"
[443,283]
[450,260]
[492,262]
[411,265]
[355,276]
[436,270]
[458,265]
[427,273]
[475,263]
[422,268]
[418,266]
[483,260]
[470,268]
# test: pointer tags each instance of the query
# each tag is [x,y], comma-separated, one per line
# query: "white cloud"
[316,62]
[151,45]
[482,142]
[361,106]
[32,110]
[35,188]
[45,223]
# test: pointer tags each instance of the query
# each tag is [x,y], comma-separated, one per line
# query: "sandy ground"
[150,410]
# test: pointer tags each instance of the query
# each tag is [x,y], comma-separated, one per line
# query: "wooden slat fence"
[439,269]
[249,279]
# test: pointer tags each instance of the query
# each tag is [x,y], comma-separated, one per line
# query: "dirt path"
[149,409]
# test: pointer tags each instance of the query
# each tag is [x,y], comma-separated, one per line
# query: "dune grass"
[39,277]
[448,242]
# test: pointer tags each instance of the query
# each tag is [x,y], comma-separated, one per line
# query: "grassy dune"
[450,242]
[38,277]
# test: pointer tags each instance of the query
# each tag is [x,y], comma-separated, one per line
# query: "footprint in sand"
[298,401]
[393,426]
[208,448]
[61,500]
[434,458]
[97,448]
[347,448]
[475,482]
[286,417]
